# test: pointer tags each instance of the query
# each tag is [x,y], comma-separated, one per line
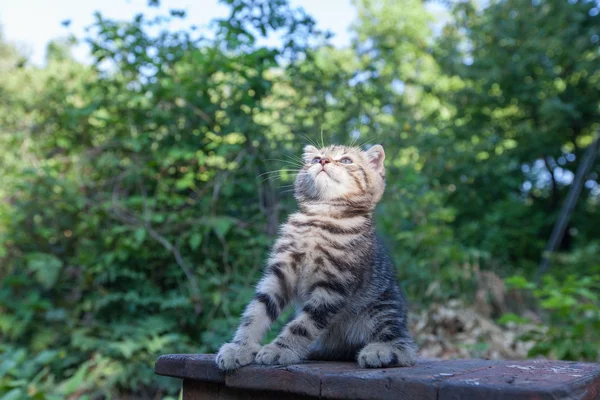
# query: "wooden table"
[429,379]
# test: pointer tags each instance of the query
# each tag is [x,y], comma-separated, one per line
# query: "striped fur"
[329,263]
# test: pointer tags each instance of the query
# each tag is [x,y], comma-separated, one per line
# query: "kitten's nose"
[325,160]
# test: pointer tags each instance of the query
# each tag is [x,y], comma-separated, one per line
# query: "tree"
[528,108]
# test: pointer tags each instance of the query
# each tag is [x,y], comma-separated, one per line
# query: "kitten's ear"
[308,149]
[376,156]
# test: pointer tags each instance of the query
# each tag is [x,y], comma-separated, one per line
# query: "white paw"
[379,355]
[273,354]
[232,355]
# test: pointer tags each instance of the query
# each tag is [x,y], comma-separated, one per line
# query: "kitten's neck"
[335,209]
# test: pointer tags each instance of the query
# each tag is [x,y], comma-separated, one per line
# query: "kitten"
[329,262]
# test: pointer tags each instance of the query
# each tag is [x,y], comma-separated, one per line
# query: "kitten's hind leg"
[391,345]
[387,354]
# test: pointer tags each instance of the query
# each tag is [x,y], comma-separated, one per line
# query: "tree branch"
[569,205]
[554,184]
[127,217]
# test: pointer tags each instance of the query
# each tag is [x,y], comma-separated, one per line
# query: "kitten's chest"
[323,248]
[312,266]
[312,257]
[320,263]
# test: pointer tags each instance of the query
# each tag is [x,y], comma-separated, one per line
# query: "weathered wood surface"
[429,379]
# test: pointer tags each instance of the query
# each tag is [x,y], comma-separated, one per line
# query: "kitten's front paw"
[381,355]
[274,354]
[232,355]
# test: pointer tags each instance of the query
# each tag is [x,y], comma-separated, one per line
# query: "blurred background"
[147,152]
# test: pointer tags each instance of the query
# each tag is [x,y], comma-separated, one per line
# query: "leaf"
[588,294]
[15,394]
[46,268]
[195,240]
[77,381]
[187,181]
[221,225]
[519,282]
[127,347]
[558,302]
[511,317]
[46,356]
[140,235]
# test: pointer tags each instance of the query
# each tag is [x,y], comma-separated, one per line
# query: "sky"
[32,23]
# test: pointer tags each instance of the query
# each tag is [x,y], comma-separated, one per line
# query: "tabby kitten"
[329,262]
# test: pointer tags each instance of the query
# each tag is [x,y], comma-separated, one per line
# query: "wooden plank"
[196,390]
[527,380]
[296,379]
[199,367]
[418,382]
[428,379]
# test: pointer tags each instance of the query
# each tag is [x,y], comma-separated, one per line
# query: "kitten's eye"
[316,160]
[346,160]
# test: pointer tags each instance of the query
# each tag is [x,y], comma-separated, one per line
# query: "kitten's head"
[340,173]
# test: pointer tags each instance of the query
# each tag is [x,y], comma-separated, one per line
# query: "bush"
[570,307]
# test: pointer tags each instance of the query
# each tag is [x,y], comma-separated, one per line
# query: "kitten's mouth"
[328,175]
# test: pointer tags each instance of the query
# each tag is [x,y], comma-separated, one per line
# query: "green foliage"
[126,232]
[138,199]
[526,110]
[571,308]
